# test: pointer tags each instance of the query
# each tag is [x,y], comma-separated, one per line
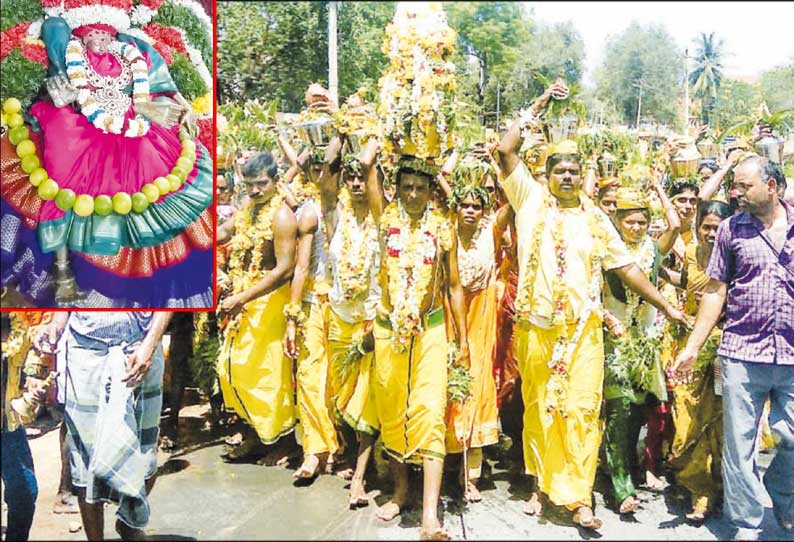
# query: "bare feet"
[65,503]
[653,482]
[584,517]
[309,468]
[358,495]
[129,533]
[434,533]
[629,505]
[533,507]
[249,446]
[699,510]
[471,493]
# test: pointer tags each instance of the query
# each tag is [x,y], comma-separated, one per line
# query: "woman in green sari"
[634,375]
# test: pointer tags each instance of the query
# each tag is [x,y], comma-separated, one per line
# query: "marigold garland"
[410,264]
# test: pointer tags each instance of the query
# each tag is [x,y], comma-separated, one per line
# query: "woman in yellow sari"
[697,410]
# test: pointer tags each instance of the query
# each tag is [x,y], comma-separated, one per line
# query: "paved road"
[198,496]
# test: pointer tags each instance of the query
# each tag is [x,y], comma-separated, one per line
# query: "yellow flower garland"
[249,236]
[354,269]
[410,264]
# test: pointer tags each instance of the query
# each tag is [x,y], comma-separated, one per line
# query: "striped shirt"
[110,327]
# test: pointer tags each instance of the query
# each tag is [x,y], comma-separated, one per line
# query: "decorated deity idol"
[110,172]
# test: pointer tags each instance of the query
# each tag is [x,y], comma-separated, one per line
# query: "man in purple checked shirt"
[752,265]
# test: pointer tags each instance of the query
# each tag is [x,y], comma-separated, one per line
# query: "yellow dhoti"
[410,391]
[476,420]
[255,376]
[562,452]
[352,393]
[319,434]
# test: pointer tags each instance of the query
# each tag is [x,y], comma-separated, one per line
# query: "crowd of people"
[515,291]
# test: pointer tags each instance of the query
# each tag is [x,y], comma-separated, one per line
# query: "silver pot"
[354,143]
[317,133]
[771,147]
[607,165]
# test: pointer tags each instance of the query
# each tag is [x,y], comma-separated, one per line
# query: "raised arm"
[669,235]
[329,178]
[446,173]
[712,185]
[375,194]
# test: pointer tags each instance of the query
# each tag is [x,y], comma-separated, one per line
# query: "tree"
[707,75]
[274,50]
[553,51]
[641,59]
[776,87]
[271,50]
[735,100]
[489,39]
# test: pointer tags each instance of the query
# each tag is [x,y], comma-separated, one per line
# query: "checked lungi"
[112,429]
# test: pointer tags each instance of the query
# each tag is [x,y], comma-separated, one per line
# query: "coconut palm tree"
[707,75]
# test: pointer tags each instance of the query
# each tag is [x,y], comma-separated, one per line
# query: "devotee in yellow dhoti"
[254,374]
[418,269]
[564,243]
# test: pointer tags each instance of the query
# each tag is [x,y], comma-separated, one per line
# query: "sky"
[757,35]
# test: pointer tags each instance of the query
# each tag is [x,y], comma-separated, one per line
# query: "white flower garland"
[101,119]
[83,15]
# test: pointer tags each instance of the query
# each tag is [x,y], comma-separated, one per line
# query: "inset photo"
[107,154]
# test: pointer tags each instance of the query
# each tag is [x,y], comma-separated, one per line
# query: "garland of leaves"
[459,378]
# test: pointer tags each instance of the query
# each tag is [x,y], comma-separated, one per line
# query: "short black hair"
[555,159]
[261,163]
[402,170]
[712,207]
[620,213]
[681,187]
[603,191]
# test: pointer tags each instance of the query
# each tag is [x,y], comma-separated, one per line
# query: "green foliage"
[186,78]
[271,50]
[171,14]
[361,29]
[251,126]
[735,101]
[776,87]
[631,360]
[21,79]
[206,347]
[18,11]
[646,57]
[620,145]
[459,379]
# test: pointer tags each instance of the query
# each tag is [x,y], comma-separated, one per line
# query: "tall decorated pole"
[417,91]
